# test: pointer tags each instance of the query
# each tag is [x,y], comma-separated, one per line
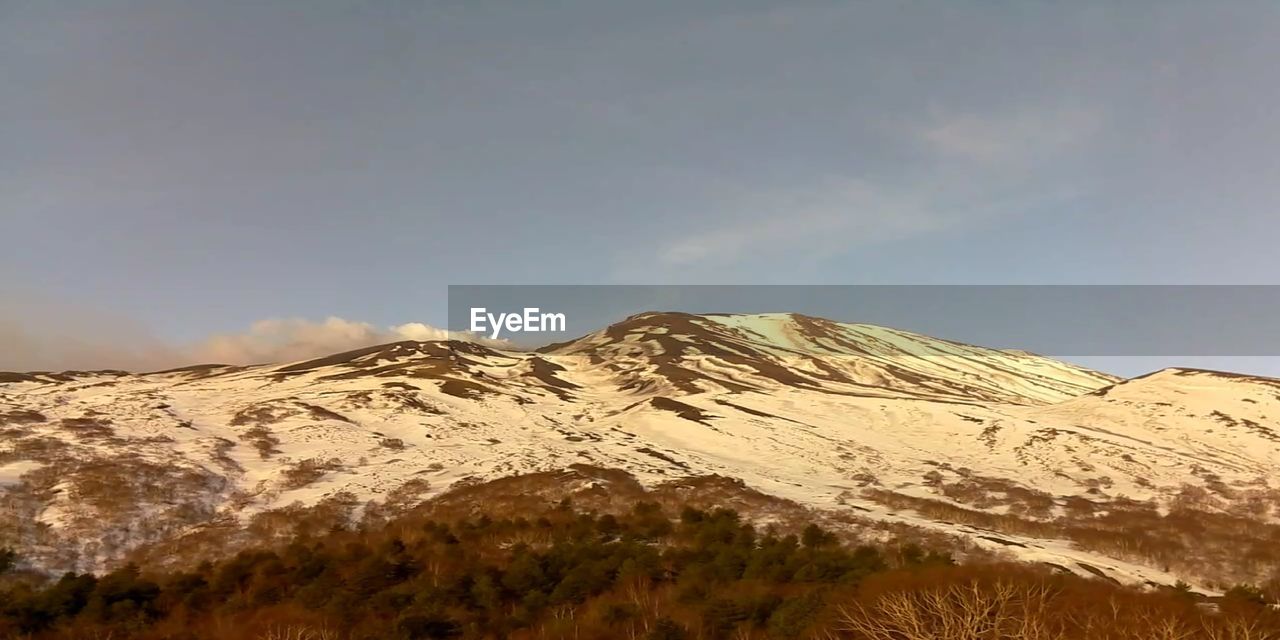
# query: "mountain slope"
[865,422]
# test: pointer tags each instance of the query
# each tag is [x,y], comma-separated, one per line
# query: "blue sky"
[175,170]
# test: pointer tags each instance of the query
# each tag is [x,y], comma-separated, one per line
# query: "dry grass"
[21,417]
[395,444]
[305,472]
[102,506]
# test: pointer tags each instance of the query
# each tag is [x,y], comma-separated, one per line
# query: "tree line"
[646,574]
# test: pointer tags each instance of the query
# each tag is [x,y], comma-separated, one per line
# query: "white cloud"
[288,339]
[419,331]
[283,339]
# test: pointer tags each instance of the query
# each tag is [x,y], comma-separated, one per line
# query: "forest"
[647,574]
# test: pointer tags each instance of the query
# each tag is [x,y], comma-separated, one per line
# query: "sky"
[249,180]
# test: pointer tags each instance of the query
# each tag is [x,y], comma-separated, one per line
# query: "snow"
[11,474]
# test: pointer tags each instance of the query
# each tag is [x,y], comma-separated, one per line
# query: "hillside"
[1006,452]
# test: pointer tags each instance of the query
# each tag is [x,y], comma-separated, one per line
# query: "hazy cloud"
[39,336]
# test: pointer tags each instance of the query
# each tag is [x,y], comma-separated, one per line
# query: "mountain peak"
[695,353]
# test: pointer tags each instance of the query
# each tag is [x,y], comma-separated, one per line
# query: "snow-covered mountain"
[862,422]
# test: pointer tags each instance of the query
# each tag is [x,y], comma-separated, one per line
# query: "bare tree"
[969,611]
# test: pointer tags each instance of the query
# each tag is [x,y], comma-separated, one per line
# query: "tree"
[1245,593]
[427,626]
[814,537]
[666,629]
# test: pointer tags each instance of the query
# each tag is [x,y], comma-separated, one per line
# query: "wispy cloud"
[974,167]
[854,211]
[1031,135]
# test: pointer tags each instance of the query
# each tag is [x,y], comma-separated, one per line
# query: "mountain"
[882,430]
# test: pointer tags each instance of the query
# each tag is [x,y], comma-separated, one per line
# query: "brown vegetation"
[262,439]
[1203,545]
[644,574]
